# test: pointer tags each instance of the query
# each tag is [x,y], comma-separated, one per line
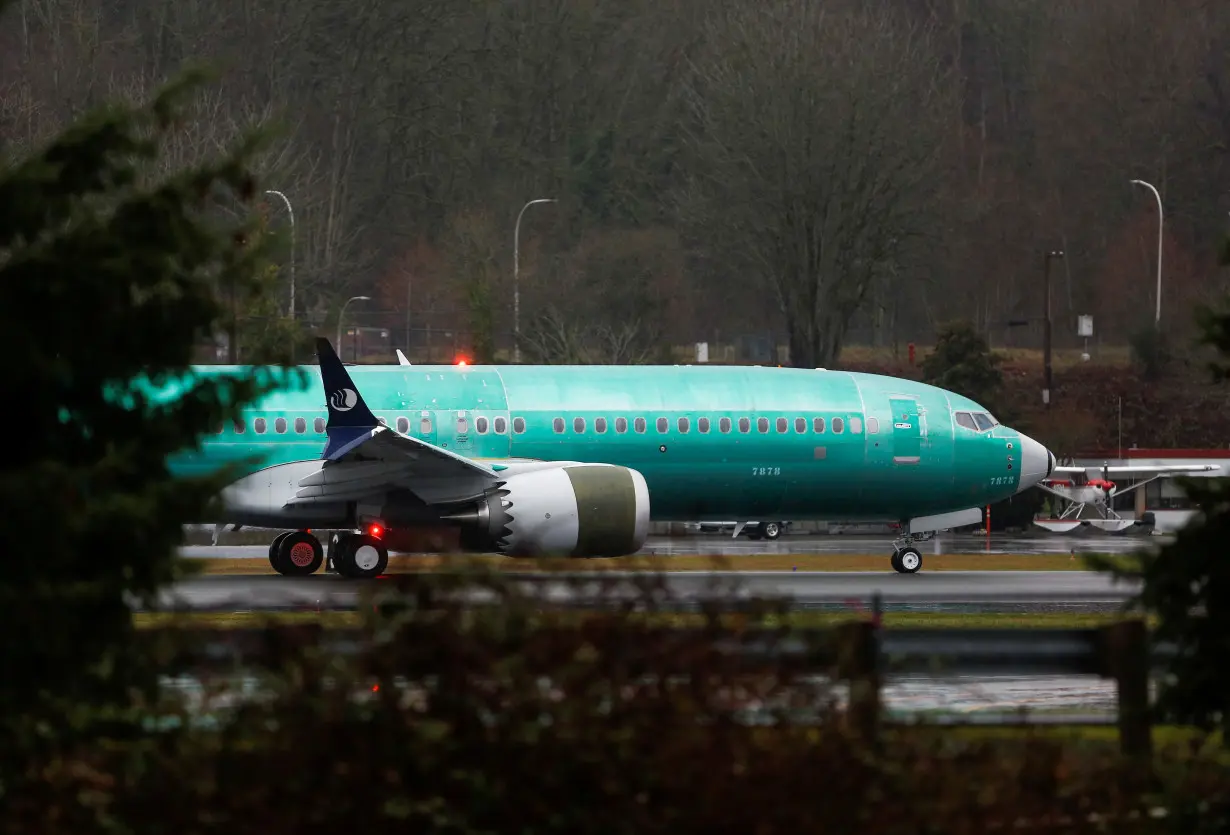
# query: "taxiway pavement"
[811,589]
[728,547]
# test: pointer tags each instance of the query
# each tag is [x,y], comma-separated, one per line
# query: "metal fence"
[859,653]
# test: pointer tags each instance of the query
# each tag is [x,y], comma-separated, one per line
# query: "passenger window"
[480,424]
[382,421]
[817,425]
[319,425]
[300,425]
[240,427]
[873,426]
[762,424]
[800,425]
[983,421]
[259,426]
[856,425]
[963,419]
[578,425]
[558,425]
[621,425]
[600,425]
[403,425]
[279,425]
[683,425]
[425,426]
[783,425]
[519,425]
[745,425]
[703,424]
[462,426]
[663,425]
[838,425]
[501,425]
[724,425]
[639,424]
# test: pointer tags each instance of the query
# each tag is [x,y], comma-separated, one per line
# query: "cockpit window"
[983,421]
[964,419]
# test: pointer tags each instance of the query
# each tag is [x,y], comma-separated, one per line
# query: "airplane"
[577,460]
[1081,487]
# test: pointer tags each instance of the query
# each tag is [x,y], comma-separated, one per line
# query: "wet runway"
[957,699]
[813,589]
[802,544]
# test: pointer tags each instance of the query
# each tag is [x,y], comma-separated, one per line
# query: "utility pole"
[291,310]
[517,277]
[1157,316]
[1046,325]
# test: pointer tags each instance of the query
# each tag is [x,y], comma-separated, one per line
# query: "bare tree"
[556,338]
[816,146]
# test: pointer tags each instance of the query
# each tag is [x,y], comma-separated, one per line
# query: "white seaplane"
[1091,487]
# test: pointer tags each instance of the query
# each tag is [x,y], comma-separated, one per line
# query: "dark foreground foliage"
[501,719]
[109,273]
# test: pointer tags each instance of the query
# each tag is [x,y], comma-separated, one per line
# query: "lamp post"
[291,211]
[1046,325]
[343,313]
[1157,316]
[516,277]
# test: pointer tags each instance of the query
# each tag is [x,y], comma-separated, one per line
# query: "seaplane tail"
[1092,487]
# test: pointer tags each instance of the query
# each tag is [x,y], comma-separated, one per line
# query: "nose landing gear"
[906,558]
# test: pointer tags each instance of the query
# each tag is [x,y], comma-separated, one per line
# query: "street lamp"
[516,272]
[343,313]
[1157,317]
[292,248]
[1046,325]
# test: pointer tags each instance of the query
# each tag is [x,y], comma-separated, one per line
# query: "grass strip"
[944,620]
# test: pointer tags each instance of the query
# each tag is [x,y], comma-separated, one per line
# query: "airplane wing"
[363,457]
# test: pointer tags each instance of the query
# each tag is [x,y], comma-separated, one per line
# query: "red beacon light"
[375,530]
[461,361]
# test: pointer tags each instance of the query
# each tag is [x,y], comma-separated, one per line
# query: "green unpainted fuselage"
[871,447]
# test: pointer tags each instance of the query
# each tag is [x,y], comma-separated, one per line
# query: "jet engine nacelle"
[574,510]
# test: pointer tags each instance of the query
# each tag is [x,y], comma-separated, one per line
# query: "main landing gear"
[296,554]
[906,559]
[357,556]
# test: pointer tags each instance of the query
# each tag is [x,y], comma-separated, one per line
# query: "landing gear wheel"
[274,552]
[298,554]
[907,560]
[360,557]
[769,530]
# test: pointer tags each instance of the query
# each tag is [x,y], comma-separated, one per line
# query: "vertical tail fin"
[350,420]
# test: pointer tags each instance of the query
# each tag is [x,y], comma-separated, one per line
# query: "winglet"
[401,358]
[350,420]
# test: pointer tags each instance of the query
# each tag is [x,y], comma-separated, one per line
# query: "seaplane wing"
[1141,469]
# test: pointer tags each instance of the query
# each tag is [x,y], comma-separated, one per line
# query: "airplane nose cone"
[1037,462]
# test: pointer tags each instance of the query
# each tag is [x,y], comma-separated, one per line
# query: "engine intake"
[574,510]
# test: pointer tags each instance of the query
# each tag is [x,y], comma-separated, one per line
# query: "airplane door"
[907,434]
[455,430]
[423,427]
